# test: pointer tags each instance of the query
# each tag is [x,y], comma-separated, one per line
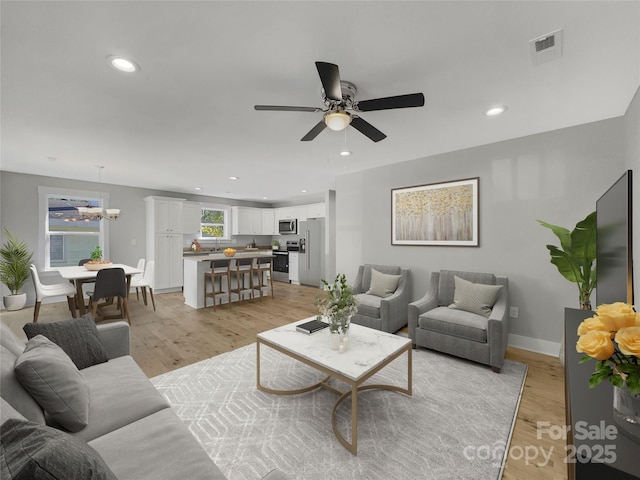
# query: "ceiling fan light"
[337,120]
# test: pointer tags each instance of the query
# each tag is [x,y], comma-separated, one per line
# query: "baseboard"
[534,345]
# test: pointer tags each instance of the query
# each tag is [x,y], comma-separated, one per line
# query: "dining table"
[78,275]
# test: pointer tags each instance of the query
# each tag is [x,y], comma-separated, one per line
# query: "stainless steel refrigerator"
[311,256]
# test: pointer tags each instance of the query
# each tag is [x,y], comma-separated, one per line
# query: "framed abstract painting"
[436,214]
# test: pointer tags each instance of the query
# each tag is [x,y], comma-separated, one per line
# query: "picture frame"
[445,213]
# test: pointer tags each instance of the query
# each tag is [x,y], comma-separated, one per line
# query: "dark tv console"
[593,451]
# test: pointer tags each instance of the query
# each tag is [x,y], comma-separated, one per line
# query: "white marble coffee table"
[370,351]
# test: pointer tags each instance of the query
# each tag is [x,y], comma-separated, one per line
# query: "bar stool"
[219,269]
[264,265]
[243,267]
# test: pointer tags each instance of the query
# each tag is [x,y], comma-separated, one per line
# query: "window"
[213,223]
[66,237]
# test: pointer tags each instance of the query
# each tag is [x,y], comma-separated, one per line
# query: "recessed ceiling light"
[265,198]
[123,64]
[303,191]
[234,178]
[345,153]
[198,188]
[497,110]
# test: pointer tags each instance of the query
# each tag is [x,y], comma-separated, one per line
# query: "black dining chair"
[110,283]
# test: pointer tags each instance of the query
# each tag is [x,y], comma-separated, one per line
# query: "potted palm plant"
[15,258]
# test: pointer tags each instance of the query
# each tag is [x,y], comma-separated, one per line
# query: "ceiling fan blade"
[314,132]
[282,108]
[367,129]
[330,78]
[388,103]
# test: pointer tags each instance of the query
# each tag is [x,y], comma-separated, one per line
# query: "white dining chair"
[145,282]
[138,276]
[53,290]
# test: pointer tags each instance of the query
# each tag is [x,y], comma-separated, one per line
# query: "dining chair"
[110,282]
[219,270]
[144,281]
[264,267]
[51,290]
[138,278]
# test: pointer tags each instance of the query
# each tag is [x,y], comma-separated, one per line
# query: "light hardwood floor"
[176,335]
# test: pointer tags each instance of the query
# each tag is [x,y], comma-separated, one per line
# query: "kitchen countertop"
[206,257]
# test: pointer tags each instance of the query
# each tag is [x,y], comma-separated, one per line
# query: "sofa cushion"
[32,452]
[366,273]
[159,446]
[369,305]
[457,323]
[50,376]
[382,284]
[474,297]
[447,285]
[10,341]
[120,393]
[78,337]
[13,392]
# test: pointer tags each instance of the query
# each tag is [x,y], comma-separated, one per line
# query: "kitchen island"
[196,265]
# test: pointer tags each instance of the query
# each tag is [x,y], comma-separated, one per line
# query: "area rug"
[456,425]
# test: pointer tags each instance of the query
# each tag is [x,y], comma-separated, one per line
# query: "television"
[614,243]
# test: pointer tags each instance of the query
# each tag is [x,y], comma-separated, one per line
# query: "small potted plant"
[96,262]
[275,245]
[15,258]
[338,305]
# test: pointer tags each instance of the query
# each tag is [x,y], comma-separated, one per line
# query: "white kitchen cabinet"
[168,264]
[298,212]
[246,221]
[269,222]
[191,218]
[316,210]
[294,276]
[164,240]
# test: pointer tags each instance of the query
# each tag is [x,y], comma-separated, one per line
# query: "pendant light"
[98,213]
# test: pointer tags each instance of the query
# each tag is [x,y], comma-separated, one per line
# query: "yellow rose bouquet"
[612,337]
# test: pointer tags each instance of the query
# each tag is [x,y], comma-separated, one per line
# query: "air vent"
[546,48]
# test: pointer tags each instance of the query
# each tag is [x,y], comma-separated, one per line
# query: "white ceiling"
[187,118]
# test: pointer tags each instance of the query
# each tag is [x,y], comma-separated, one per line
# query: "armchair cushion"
[456,323]
[382,284]
[369,305]
[474,297]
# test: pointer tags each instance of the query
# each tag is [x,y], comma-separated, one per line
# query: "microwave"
[287,227]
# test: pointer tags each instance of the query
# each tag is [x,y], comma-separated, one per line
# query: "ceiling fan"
[341,108]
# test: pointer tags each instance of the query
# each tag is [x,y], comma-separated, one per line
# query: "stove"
[281,266]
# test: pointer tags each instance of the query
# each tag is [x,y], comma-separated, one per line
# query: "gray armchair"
[386,313]
[483,339]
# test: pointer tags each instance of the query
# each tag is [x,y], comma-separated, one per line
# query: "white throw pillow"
[382,284]
[474,297]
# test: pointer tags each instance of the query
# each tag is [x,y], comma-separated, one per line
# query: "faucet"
[217,244]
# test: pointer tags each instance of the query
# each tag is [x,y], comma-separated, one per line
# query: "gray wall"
[19,214]
[555,176]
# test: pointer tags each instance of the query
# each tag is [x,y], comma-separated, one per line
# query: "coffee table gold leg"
[354,420]
[409,372]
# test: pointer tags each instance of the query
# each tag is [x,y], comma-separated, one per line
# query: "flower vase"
[626,412]
[339,333]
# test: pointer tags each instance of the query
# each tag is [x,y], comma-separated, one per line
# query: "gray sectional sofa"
[130,425]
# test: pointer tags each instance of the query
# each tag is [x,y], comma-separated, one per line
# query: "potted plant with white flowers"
[15,258]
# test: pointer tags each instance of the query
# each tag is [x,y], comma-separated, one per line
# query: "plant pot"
[14,302]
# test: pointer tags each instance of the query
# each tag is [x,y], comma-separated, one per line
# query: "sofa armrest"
[498,325]
[393,309]
[357,283]
[115,338]
[276,475]
[428,302]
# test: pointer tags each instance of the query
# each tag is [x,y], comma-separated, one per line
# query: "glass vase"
[339,333]
[626,412]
